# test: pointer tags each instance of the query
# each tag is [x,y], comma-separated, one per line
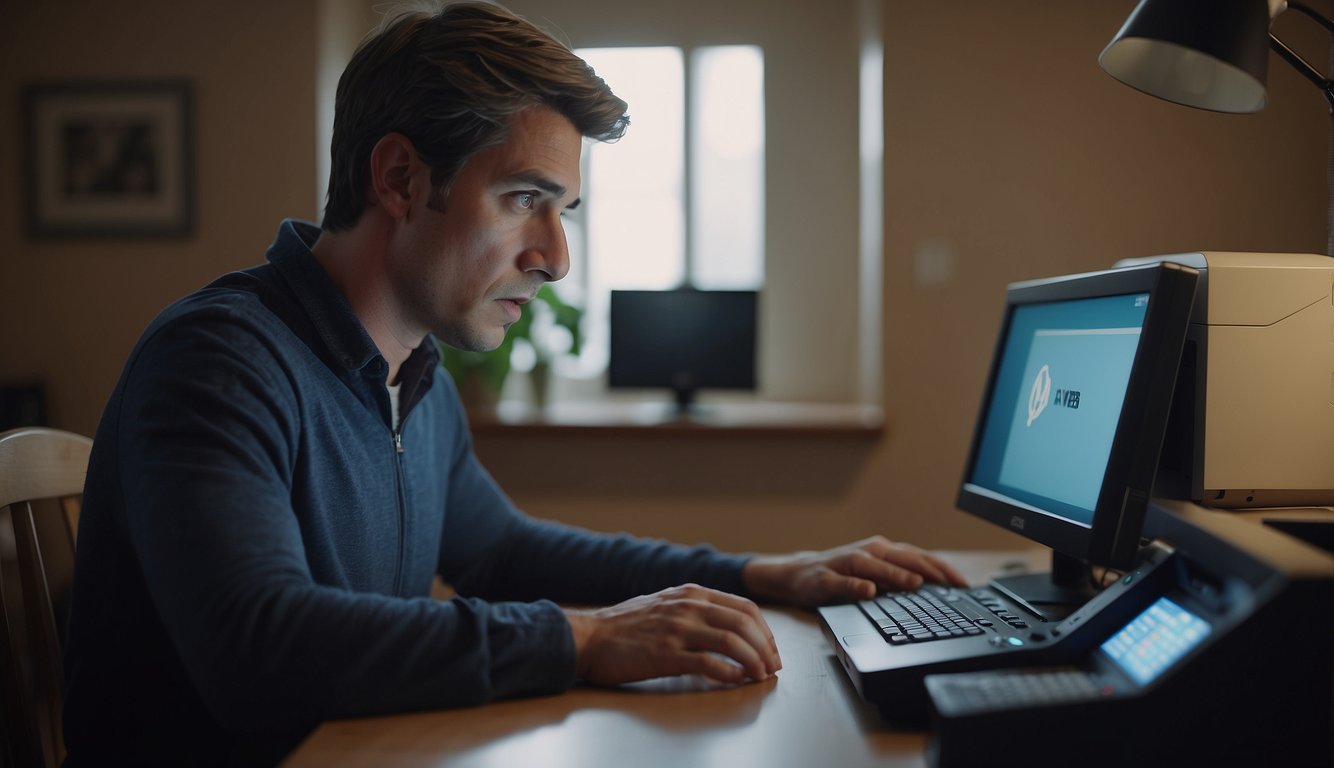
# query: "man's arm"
[692,630]
[208,441]
[659,629]
[492,550]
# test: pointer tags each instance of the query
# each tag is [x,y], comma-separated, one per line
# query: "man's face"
[463,271]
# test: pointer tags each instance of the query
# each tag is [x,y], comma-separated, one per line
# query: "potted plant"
[480,376]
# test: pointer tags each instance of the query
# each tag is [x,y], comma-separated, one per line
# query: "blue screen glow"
[1057,401]
[1155,639]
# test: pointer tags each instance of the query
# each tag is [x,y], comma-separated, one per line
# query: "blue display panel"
[1060,388]
[1155,639]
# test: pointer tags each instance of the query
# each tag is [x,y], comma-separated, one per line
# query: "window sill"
[766,419]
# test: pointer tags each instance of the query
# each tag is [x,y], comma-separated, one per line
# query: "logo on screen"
[1037,396]
[1040,396]
[1067,398]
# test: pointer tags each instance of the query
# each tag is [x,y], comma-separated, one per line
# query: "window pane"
[727,167]
[633,224]
[634,229]
[635,215]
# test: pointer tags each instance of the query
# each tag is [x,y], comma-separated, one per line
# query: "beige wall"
[74,308]
[1002,137]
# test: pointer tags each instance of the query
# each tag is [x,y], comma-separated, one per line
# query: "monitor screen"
[1067,441]
[1065,366]
[1155,640]
[683,340]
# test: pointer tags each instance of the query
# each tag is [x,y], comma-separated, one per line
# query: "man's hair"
[451,81]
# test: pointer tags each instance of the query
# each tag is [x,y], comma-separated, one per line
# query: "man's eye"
[525,199]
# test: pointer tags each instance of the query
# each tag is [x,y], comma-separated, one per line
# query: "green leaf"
[493,367]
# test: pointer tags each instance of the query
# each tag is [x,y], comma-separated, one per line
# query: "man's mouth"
[513,307]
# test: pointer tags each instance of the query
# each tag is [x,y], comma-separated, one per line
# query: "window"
[680,199]
[814,229]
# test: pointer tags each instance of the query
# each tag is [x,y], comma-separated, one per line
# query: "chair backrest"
[36,464]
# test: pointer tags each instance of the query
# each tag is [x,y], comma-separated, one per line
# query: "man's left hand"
[857,571]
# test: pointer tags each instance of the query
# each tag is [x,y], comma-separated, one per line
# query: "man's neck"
[355,261]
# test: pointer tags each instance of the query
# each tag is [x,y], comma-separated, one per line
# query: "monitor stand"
[1053,595]
[682,409]
[686,408]
[684,395]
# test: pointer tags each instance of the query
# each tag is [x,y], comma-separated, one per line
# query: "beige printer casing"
[1253,413]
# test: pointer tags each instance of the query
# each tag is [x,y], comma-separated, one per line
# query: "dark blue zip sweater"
[257,545]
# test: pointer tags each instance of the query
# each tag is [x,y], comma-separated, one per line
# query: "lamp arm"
[1325,85]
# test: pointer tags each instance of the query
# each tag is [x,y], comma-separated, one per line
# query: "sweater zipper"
[402,504]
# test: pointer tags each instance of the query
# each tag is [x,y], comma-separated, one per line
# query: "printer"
[1252,421]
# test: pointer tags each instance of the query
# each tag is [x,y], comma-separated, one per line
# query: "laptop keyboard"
[916,617]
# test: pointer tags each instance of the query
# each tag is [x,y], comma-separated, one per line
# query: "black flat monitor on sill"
[683,340]
[1066,446]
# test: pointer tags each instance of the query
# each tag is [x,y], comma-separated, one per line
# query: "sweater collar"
[340,330]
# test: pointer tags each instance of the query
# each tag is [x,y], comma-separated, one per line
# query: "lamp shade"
[1210,54]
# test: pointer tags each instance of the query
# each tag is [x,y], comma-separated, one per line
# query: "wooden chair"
[36,465]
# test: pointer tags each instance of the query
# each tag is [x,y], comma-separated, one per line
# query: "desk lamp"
[1209,54]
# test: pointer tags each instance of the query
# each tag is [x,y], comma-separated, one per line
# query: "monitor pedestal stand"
[1053,595]
[685,400]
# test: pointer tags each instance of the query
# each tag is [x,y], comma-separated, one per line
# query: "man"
[283,467]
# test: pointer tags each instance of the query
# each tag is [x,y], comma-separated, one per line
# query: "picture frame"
[112,158]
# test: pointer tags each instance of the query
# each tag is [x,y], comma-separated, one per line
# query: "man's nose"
[548,252]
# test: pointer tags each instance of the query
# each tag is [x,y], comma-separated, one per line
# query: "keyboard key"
[932,613]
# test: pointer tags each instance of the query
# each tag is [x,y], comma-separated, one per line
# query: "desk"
[808,715]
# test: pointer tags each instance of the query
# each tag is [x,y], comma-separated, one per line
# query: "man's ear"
[394,163]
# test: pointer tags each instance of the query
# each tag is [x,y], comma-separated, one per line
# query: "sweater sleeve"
[492,550]
[207,438]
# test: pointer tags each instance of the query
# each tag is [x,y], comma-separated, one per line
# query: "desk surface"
[807,715]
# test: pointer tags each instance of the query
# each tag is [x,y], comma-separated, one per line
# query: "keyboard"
[917,617]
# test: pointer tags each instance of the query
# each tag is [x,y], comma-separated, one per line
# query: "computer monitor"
[1067,443]
[683,340]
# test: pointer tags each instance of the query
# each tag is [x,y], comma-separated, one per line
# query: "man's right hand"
[682,630]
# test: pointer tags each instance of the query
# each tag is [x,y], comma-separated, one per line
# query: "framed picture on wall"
[110,158]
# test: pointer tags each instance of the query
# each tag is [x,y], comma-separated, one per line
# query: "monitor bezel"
[1113,537]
